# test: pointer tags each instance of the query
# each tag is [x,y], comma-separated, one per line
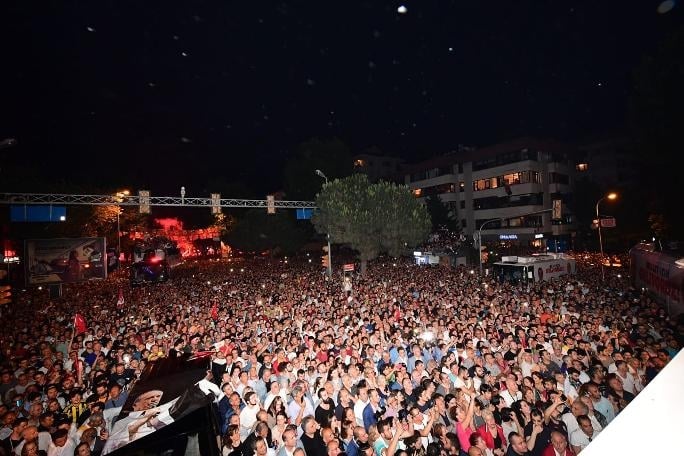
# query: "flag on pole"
[79,324]
[120,301]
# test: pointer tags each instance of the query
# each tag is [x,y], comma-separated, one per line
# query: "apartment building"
[501,185]
[378,167]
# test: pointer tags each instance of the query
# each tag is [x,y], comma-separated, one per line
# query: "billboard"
[65,260]
[662,275]
[43,213]
[548,270]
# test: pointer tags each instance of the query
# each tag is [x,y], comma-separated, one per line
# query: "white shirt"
[572,424]
[44,441]
[248,416]
[580,439]
[66,450]
[358,411]
[628,383]
[510,398]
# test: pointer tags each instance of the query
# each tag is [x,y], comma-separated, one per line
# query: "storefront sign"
[508,237]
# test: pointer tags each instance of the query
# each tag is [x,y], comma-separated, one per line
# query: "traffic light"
[5,294]
[270,204]
[144,201]
[215,203]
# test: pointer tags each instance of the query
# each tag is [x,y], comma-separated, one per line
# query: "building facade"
[379,167]
[504,185]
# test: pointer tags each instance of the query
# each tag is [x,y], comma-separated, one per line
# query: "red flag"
[214,312]
[120,301]
[80,324]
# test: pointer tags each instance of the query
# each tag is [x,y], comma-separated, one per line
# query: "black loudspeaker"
[55,291]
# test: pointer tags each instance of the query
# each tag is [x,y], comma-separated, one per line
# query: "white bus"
[661,273]
[534,268]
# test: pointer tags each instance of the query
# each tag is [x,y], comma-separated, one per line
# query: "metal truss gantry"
[135,200]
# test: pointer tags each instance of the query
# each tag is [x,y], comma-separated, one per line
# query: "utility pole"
[320,174]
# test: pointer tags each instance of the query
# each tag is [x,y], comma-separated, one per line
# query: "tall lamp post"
[119,199]
[611,197]
[319,173]
[479,239]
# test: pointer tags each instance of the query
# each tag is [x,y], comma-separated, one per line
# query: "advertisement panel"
[65,260]
[661,275]
[548,270]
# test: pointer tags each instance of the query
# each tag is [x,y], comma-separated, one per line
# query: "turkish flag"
[79,324]
[214,312]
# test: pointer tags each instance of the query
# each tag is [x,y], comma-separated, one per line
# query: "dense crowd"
[402,361]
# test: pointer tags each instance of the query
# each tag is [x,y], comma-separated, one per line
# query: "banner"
[80,324]
[65,260]
[168,391]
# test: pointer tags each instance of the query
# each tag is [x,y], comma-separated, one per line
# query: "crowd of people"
[404,360]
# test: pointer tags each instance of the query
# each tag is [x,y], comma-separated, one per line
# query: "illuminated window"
[494,182]
[461,186]
[582,167]
[417,192]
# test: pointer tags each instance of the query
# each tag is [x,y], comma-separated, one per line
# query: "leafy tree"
[371,218]
[333,157]
[257,231]
[441,215]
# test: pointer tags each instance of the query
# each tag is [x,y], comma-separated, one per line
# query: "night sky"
[168,93]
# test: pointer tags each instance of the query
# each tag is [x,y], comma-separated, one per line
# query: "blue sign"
[31,213]
[304,213]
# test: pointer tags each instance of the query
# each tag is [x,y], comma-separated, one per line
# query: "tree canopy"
[371,218]
[332,156]
[257,231]
[441,215]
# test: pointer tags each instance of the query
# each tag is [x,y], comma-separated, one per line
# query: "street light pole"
[500,219]
[479,240]
[610,196]
[118,231]
[320,174]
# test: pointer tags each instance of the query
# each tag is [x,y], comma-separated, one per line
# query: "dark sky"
[170,92]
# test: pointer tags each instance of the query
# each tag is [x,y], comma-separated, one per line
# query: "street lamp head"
[126,192]
[612,196]
[320,173]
